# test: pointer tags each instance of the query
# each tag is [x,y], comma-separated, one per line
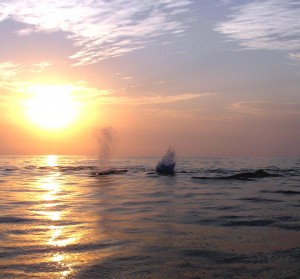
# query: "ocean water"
[60,220]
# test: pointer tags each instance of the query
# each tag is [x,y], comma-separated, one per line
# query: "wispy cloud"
[95,96]
[267,25]
[39,67]
[99,29]
[259,108]
[155,99]
[10,72]
[295,56]
[14,89]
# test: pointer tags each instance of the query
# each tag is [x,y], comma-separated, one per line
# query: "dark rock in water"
[108,172]
[167,164]
[243,175]
[254,174]
[165,169]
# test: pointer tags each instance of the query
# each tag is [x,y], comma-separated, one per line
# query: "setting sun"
[51,106]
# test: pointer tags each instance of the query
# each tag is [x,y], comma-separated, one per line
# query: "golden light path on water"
[51,160]
[68,229]
[57,233]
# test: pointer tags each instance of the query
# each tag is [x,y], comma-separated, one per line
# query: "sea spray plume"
[106,139]
[167,164]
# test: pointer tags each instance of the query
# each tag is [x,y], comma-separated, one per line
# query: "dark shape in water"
[243,175]
[287,192]
[167,164]
[108,172]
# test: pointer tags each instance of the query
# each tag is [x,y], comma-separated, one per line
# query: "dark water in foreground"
[57,220]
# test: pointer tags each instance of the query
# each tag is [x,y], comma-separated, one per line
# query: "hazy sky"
[210,78]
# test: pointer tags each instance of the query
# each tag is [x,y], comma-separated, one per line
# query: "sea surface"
[59,219]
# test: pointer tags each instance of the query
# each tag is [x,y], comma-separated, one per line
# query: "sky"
[210,78]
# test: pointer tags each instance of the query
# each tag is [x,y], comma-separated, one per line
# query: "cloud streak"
[265,25]
[14,89]
[10,72]
[94,96]
[259,108]
[99,29]
[156,99]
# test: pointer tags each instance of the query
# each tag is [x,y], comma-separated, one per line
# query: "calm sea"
[59,220]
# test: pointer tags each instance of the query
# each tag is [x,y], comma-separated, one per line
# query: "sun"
[51,106]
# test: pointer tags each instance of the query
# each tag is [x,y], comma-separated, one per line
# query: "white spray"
[106,139]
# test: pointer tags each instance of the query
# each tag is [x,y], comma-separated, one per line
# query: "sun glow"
[51,106]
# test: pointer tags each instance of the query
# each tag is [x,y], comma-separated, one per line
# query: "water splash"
[106,139]
[167,164]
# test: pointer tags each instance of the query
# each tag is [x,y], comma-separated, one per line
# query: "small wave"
[213,255]
[109,172]
[292,227]
[77,168]
[251,223]
[287,192]
[9,169]
[13,219]
[231,208]
[60,168]
[258,200]
[182,171]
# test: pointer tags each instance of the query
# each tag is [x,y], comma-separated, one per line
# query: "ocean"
[214,218]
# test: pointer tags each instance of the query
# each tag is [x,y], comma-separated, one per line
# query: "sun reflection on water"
[58,237]
[54,210]
[51,160]
[58,257]
[52,188]
[61,261]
